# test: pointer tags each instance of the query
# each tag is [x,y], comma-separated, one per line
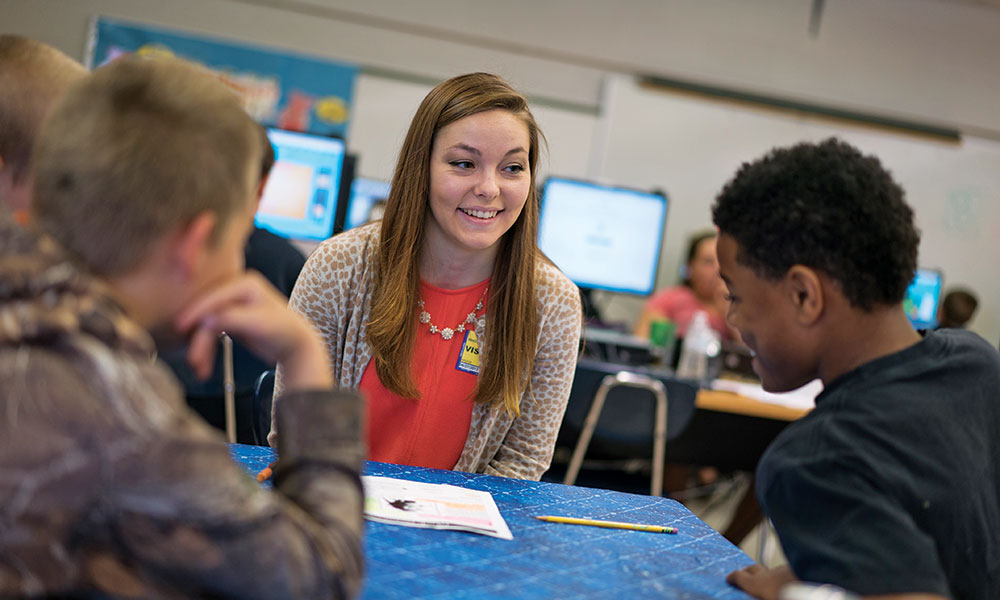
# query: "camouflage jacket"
[110,486]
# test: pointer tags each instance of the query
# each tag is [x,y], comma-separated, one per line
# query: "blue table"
[544,560]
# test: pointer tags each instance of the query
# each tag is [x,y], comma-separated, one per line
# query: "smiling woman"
[479,184]
[460,332]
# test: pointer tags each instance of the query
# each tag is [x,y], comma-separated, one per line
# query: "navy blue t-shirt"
[892,483]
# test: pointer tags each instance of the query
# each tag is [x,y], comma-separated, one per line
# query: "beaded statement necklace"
[448,332]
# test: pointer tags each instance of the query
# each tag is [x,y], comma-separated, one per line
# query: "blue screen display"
[364,194]
[601,236]
[922,299]
[300,199]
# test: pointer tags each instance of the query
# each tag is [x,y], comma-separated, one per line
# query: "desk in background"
[731,430]
[737,404]
[544,560]
[610,350]
[705,426]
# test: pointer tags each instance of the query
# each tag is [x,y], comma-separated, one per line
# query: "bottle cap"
[662,332]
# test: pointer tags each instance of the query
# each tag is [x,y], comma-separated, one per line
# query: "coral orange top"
[430,431]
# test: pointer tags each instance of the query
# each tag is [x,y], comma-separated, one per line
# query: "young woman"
[462,335]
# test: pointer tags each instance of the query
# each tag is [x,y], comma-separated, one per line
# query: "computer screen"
[344,194]
[364,194]
[299,201]
[923,297]
[601,236]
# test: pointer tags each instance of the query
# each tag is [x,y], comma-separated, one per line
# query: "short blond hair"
[138,148]
[32,76]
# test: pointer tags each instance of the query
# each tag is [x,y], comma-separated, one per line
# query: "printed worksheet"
[432,505]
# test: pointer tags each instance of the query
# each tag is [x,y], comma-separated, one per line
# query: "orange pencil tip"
[264,475]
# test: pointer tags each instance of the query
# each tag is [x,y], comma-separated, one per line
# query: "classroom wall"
[923,60]
[926,59]
[690,146]
[384,107]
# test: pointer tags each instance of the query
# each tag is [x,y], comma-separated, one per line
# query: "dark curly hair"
[828,207]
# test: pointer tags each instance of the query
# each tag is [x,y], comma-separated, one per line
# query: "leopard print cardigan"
[334,291]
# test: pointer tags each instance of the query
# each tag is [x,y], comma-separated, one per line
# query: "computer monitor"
[602,236]
[923,297]
[299,201]
[344,194]
[364,194]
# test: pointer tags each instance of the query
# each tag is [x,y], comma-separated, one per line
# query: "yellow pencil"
[609,524]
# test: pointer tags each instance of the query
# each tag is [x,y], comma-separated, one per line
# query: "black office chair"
[614,412]
[263,392]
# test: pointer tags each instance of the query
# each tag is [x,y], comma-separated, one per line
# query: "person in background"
[957,309]
[461,334]
[890,487]
[700,290]
[144,186]
[280,262]
[32,77]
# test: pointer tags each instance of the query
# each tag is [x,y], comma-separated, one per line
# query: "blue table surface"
[544,560]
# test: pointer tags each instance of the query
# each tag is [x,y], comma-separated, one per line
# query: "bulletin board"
[279,89]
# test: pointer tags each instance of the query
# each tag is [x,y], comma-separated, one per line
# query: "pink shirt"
[679,304]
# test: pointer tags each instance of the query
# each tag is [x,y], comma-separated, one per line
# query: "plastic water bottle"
[700,351]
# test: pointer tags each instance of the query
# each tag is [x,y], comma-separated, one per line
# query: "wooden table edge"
[731,402]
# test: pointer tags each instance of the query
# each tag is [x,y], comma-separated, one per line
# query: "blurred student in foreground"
[32,77]
[280,262]
[145,180]
[890,487]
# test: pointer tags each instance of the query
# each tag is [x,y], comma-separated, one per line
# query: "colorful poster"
[279,89]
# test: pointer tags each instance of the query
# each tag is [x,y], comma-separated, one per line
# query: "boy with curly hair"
[890,487]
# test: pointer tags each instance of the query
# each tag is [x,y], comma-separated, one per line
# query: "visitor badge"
[468,357]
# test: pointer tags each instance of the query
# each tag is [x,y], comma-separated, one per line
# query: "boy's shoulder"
[943,359]
[950,377]
[46,299]
[965,346]
[68,343]
[882,412]
[890,443]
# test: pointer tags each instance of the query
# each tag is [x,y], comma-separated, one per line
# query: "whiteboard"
[690,146]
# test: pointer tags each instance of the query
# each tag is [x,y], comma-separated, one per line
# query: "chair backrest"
[625,427]
[263,391]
